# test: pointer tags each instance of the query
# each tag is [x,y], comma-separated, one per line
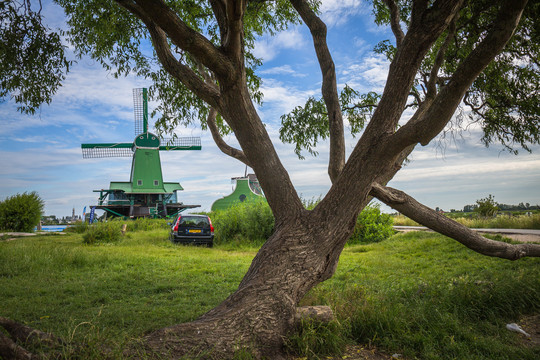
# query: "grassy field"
[419,294]
[501,221]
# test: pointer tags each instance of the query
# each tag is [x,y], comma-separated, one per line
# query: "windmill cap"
[146,140]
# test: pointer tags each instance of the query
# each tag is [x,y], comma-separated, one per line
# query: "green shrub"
[103,233]
[252,223]
[487,207]
[80,227]
[21,212]
[317,340]
[142,224]
[372,226]
[243,223]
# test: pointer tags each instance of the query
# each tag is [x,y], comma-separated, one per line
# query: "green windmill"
[145,194]
[247,189]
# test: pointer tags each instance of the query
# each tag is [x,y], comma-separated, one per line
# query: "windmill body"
[247,189]
[145,194]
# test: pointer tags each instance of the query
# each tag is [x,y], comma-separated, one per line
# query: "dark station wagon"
[192,230]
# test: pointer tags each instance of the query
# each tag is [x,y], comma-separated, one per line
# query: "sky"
[42,152]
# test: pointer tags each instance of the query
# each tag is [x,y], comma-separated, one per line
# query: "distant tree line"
[505,207]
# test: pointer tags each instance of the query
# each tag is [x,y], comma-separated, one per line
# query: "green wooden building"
[247,189]
[145,194]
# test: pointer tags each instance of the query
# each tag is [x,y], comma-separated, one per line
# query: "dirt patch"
[524,238]
[531,325]
[359,352]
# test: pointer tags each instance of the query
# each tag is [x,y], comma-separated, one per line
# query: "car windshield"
[193,221]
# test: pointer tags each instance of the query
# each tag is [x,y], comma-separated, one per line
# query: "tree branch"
[233,42]
[446,226]
[219,9]
[23,333]
[439,59]
[206,91]
[221,144]
[424,128]
[394,21]
[182,35]
[10,350]
[329,87]
[425,27]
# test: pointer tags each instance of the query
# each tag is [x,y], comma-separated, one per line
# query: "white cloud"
[283,98]
[282,70]
[367,75]
[268,47]
[338,12]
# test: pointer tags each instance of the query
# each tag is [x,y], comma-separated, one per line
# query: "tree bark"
[329,87]
[446,226]
[263,309]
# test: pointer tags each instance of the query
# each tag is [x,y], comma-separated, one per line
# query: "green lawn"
[418,294]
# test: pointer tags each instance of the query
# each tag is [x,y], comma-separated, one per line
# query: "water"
[53,228]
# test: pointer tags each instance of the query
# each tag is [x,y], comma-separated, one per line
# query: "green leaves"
[121,43]
[32,57]
[21,212]
[505,98]
[306,125]
[487,206]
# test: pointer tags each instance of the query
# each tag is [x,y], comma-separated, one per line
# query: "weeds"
[418,294]
[100,233]
[243,224]
[372,226]
[476,222]
[316,340]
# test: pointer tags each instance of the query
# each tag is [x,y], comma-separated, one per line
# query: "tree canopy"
[504,99]
[477,56]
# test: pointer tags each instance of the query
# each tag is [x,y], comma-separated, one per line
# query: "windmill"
[247,189]
[146,194]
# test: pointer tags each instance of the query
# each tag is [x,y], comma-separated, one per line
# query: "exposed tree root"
[11,347]
[205,338]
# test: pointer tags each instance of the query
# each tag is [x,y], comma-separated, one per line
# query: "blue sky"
[42,152]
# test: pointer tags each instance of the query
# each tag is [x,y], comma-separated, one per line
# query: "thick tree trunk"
[299,255]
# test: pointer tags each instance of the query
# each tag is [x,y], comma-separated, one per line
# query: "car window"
[194,221]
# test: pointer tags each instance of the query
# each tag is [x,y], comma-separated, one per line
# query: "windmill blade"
[140,110]
[181,143]
[92,151]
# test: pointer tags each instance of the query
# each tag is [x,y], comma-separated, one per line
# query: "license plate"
[194,231]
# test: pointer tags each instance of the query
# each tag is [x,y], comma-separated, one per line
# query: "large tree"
[477,56]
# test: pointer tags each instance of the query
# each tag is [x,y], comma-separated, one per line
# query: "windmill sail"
[140,110]
[180,143]
[93,151]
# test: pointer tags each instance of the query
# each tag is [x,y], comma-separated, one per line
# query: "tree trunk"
[299,255]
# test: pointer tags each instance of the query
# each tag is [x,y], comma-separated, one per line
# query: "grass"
[419,294]
[499,222]
[426,296]
[111,293]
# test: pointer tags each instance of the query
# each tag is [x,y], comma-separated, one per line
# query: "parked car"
[192,230]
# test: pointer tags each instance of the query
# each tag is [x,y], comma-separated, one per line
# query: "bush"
[243,223]
[80,227]
[21,212]
[372,226]
[103,233]
[142,224]
[252,223]
[317,340]
[487,207]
